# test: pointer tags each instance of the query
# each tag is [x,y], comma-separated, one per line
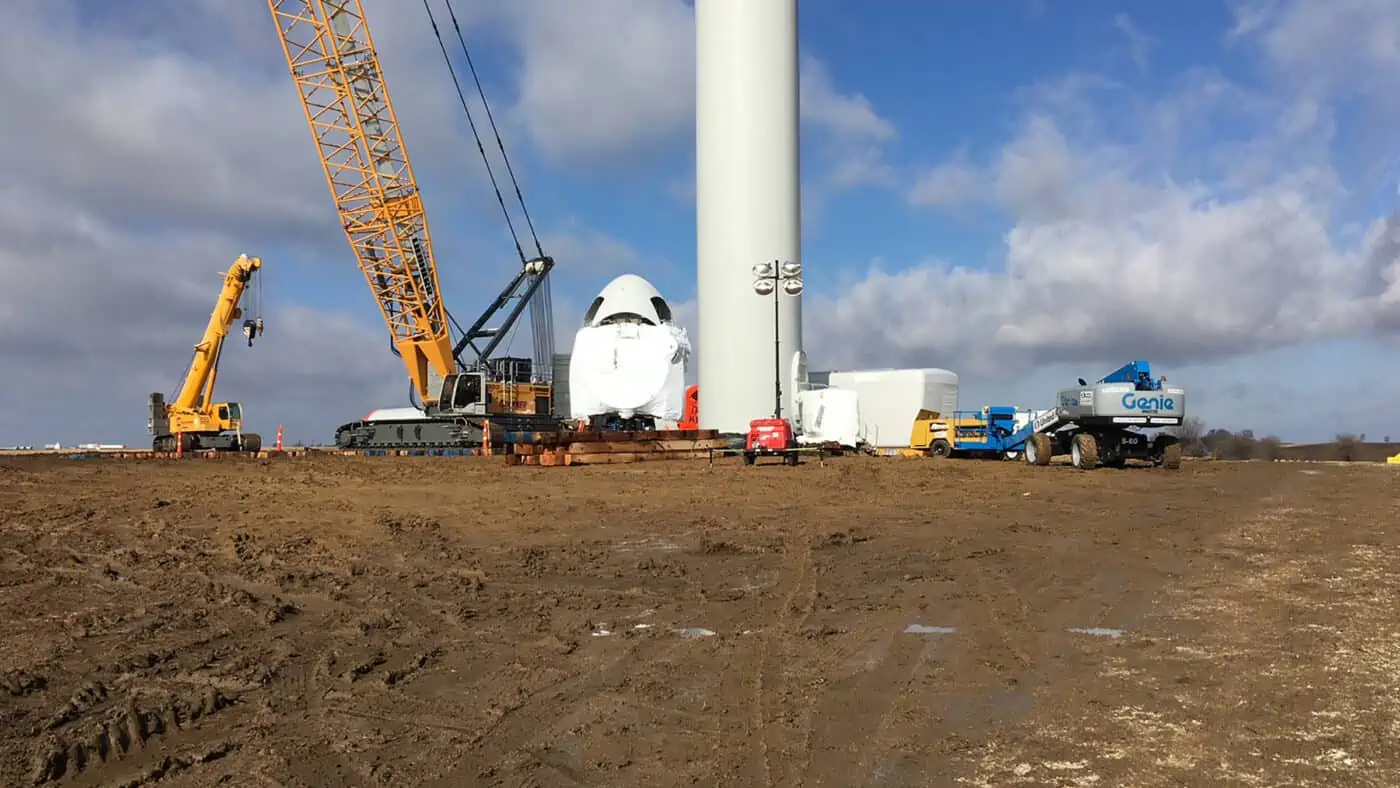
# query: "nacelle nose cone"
[628,297]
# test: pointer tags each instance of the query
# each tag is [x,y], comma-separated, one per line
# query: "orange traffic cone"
[279,437]
[179,445]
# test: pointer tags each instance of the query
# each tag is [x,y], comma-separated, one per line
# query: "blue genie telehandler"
[1108,422]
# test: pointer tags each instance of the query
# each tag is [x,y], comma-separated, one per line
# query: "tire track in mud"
[864,702]
[793,611]
[338,667]
[120,734]
[517,724]
[350,657]
[859,711]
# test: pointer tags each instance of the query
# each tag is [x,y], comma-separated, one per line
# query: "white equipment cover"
[629,369]
[890,400]
[829,415]
[1024,417]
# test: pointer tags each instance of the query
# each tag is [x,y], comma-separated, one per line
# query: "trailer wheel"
[1171,457]
[1011,455]
[1038,450]
[791,458]
[749,458]
[1084,452]
[940,448]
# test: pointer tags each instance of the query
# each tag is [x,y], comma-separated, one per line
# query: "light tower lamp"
[773,279]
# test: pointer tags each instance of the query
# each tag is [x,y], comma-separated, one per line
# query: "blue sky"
[1022,192]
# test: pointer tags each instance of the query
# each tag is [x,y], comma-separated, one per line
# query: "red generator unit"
[770,437]
[691,418]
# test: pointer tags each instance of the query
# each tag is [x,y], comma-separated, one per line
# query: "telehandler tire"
[1038,450]
[1084,453]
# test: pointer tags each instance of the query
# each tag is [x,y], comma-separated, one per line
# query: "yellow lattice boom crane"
[193,420]
[340,81]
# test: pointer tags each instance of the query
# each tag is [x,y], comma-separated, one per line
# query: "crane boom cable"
[541,303]
[491,118]
[461,96]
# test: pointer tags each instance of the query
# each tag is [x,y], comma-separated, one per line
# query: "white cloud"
[1342,47]
[846,116]
[597,257]
[1139,44]
[135,129]
[952,184]
[605,77]
[1192,227]
[851,136]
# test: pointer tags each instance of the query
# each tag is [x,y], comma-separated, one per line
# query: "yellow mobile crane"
[193,419]
[340,81]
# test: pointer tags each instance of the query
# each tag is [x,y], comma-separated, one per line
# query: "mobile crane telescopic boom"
[193,417]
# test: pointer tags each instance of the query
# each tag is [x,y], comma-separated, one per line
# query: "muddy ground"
[452,622]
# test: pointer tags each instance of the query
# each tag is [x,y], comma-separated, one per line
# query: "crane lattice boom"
[333,62]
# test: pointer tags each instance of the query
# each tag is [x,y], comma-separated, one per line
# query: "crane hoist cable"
[542,305]
[476,135]
[542,301]
[486,105]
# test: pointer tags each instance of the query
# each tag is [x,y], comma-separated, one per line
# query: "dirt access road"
[453,622]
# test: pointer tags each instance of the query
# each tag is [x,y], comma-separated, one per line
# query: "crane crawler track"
[439,433]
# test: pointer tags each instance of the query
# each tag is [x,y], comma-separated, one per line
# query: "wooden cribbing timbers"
[611,448]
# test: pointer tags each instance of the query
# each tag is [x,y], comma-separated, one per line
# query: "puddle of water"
[641,626]
[1098,632]
[601,633]
[694,632]
[922,629]
[639,545]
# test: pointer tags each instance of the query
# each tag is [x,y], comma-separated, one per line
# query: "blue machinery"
[1139,373]
[989,430]
[1101,423]
[1096,424]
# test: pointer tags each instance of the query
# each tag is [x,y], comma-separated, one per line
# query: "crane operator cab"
[488,392]
[464,393]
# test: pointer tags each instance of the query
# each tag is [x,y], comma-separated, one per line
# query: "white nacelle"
[630,357]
